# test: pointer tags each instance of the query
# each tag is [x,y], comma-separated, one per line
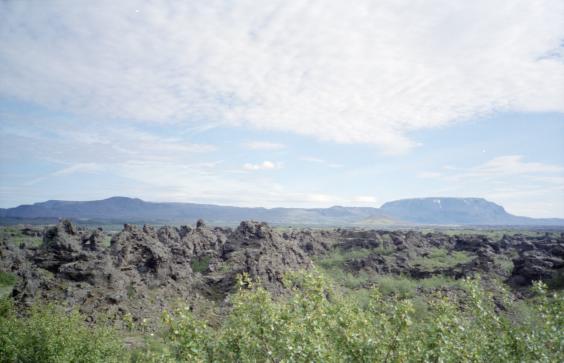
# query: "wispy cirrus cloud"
[71,143]
[368,72]
[79,168]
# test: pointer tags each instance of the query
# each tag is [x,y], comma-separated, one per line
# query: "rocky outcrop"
[255,248]
[411,253]
[534,265]
[144,269]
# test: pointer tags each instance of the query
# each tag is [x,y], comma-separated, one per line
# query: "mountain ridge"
[412,211]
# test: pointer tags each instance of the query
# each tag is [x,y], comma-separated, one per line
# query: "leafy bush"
[314,323]
[47,334]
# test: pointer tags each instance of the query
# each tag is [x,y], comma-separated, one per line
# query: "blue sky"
[288,103]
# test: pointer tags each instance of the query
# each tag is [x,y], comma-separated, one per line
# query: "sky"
[283,103]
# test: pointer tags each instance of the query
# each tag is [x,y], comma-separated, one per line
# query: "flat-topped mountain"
[477,211]
[436,211]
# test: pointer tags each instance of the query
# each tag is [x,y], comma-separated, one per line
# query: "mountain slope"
[465,211]
[439,211]
[122,209]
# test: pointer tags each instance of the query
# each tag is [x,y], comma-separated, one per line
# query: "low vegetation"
[7,281]
[200,264]
[361,296]
[337,258]
[313,323]
[48,334]
[14,235]
[438,258]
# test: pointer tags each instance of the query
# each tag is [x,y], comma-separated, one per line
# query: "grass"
[332,265]
[14,236]
[494,234]
[349,280]
[226,267]
[337,258]
[131,292]
[7,281]
[200,264]
[106,242]
[441,258]
[384,251]
[505,263]
[407,287]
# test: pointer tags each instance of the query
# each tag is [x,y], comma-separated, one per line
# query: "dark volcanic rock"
[255,248]
[145,269]
[534,265]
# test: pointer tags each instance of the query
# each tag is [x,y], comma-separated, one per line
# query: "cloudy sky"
[283,103]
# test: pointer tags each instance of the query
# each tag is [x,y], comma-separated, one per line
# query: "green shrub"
[47,334]
[312,322]
[316,324]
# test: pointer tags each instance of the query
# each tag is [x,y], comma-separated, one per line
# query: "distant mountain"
[464,211]
[132,210]
[438,211]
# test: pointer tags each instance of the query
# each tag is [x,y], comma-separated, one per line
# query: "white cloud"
[265,165]
[363,72]
[263,145]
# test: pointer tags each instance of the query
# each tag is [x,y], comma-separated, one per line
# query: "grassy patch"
[7,279]
[337,258]
[131,292]
[505,263]
[200,264]
[441,258]
[494,234]
[349,280]
[106,242]
[7,282]
[226,267]
[14,236]
[384,251]
[407,287]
